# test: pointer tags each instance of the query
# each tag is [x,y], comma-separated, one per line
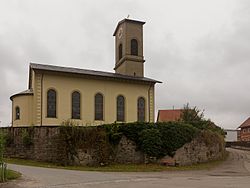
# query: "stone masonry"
[197,151]
[47,146]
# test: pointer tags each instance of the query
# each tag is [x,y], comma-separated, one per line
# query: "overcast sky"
[199,49]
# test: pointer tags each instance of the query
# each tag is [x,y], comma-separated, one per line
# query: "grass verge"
[119,167]
[11,175]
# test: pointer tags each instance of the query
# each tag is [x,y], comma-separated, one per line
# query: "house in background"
[169,115]
[231,135]
[91,97]
[244,134]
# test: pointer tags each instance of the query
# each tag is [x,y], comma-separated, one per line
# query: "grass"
[119,167]
[11,175]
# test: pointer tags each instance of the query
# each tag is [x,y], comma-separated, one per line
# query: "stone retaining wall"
[197,151]
[48,146]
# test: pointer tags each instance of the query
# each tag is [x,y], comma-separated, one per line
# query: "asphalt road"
[233,173]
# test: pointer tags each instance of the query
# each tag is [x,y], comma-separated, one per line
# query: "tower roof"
[127,20]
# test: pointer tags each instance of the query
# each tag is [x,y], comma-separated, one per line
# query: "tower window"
[76,105]
[98,106]
[51,103]
[141,109]
[120,51]
[120,108]
[134,47]
[17,112]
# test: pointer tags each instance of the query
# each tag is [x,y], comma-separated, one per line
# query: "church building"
[90,97]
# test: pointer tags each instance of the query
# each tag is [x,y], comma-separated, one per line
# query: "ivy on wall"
[76,137]
[28,136]
[154,139]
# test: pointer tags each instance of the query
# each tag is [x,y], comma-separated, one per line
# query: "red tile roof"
[245,123]
[169,115]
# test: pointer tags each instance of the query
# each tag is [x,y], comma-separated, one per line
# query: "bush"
[154,139]
[113,133]
[151,142]
[27,136]
[2,145]
[195,117]
[9,139]
[79,137]
[174,135]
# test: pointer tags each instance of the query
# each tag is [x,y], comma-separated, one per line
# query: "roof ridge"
[246,123]
[68,67]
[88,72]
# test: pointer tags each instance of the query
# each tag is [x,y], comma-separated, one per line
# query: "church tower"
[129,58]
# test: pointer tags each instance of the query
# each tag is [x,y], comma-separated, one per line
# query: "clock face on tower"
[120,32]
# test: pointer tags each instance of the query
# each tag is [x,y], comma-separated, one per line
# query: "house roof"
[127,20]
[26,92]
[245,123]
[169,115]
[102,74]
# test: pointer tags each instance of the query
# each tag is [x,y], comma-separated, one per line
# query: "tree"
[195,117]
[191,114]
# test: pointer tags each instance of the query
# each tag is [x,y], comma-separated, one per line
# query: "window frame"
[17,115]
[134,47]
[54,115]
[96,118]
[138,109]
[118,119]
[120,51]
[74,103]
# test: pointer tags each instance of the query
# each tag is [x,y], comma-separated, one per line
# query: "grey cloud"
[15,55]
[212,74]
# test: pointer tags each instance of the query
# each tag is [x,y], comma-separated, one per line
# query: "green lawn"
[12,174]
[117,167]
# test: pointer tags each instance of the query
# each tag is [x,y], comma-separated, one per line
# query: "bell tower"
[129,58]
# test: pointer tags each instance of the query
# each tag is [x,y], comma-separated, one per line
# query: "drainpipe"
[12,118]
[150,86]
[41,100]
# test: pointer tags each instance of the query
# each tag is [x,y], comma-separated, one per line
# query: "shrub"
[212,138]
[154,139]
[195,117]
[9,139]
[174,135]
[132,130]
[113,133]
[79,137]
[28,136]
[2,145]
[151,142]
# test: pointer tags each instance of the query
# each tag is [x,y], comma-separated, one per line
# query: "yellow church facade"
[56,94]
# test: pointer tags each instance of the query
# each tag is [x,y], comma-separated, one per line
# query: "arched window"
[120,51]
[141,109]
[76,105]
[134,47]
[98,106]
[120,116]
[51,103]
[17,112]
